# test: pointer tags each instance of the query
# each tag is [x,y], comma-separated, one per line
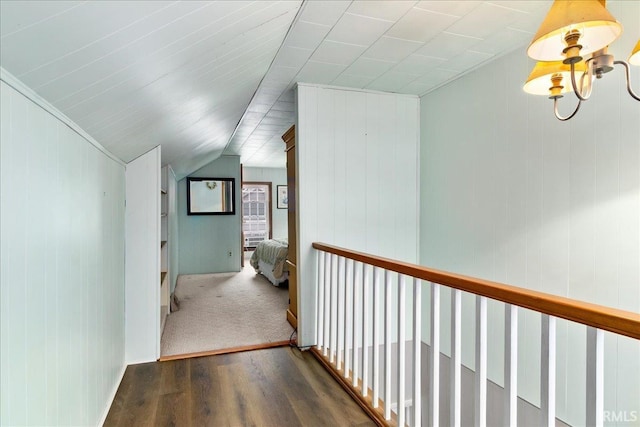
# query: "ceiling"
[203,78]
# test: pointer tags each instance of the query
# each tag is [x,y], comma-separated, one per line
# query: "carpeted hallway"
[225,310]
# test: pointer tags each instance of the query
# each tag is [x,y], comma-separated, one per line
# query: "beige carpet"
[225,310]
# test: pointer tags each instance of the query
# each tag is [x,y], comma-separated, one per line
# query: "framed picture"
[283,197]
[211,196]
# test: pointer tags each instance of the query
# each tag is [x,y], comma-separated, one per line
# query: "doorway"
[256,213]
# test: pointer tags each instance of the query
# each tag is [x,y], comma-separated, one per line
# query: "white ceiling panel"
[360,30]
[348,80]
[337,53]
[136,74]
[421,25]
[447,45]
[417,64]
[320,72]
[474,24]
[307,35]
[391,49]
[325,12]
[392,81]
[466,60]
[294,57]
[368,67]
[454,8]
[387,10]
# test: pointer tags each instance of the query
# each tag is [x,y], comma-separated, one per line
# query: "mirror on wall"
[211,196]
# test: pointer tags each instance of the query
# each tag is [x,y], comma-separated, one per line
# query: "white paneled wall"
[509,193]
[357,171]
[62,267]
[142,272]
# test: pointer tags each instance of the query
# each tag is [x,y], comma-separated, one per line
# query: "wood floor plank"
[205,391]
[173,410]
[272,387]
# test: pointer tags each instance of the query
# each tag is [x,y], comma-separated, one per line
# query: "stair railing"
[360,297]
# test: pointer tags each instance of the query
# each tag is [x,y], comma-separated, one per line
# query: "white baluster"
[401,349]
[595,377]
[320,306]
[434,403]
[417,354]
[349,296]
[387,345]
[376,337]
[334,308]
[340,291]
[510,365]
[365,330]
[480,418]
[327,303]
[356,319]
[548,371]
[456,357]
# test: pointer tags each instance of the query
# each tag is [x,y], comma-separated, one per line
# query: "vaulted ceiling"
[203,78]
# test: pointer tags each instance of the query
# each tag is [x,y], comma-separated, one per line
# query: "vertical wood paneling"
[142,291]
[62,269]
[348,190]
[518,197]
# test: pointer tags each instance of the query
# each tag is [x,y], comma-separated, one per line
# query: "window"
[256,213]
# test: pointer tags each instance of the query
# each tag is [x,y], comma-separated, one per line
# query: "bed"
[269,260]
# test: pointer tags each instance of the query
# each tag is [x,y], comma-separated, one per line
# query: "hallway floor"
[271,387]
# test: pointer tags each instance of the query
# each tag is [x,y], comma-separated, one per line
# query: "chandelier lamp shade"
[571,47]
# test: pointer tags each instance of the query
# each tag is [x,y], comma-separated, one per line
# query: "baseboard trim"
[113,395]
[225,351]
[292,319]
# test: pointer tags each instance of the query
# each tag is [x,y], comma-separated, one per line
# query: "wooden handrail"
[609,319]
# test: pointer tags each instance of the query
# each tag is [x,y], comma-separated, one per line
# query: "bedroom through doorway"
[256,217]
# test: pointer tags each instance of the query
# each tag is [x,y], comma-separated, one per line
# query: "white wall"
[206,240]
[62,267]
[357,175]
[172,194]
[143,258]
[508,193]
[276,176]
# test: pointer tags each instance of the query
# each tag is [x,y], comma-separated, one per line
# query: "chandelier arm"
[627,74]
[558,116]
[577,91]
[587,74]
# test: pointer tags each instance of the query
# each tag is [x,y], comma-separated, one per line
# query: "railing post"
[417,352]
[510,365]
[480,418]
[434,407]
[595,377]
[456,358]
[548,371]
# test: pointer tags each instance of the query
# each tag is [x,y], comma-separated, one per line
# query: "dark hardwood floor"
[272,387]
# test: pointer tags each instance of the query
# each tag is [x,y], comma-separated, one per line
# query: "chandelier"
[571,47]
